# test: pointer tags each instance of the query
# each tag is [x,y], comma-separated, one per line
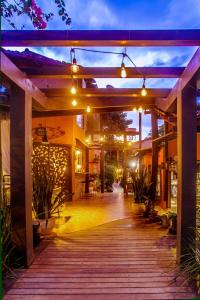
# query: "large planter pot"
[36,233]
[173,225]
[46,226]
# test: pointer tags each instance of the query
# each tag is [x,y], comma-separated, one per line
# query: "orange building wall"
[68,132]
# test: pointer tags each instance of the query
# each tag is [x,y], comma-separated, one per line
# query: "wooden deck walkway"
[121,260]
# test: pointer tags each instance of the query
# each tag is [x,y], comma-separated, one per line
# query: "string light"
[123,71]
[74,102]
[134,109]
[74,66]
[140,109]
[73,89]
[143,90]
[88,109]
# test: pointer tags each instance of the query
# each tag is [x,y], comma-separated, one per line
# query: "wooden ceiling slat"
[106,38]
[64,72]
[107,92]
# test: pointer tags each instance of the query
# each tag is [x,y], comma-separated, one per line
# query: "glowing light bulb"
[143,90]
[74,66]
[78,152]
[74,102]
[123,71]
[140,109]
[88,109]
[73,90]
[134,109]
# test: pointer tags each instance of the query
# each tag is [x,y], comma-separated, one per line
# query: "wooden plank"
[21,170]
[125,259]
[9,70]
[64,72]
[79,111]
[187,156]
[189,72]
[106,38]
[108,92]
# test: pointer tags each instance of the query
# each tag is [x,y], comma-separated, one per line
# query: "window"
[80,121]
[78,160]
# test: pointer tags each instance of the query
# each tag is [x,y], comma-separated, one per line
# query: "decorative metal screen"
[56,160]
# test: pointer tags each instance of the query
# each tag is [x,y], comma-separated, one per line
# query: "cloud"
[183,14]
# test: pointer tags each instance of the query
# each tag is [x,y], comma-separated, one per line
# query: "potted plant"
[172,223]
[47,197]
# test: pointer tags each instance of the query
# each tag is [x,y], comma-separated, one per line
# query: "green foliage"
[39,19]
[190,262]
[46,201]
[115,121]
[8,247]
[141,185]
[110,175]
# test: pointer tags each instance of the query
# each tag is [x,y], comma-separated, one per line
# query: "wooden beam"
[106,38]
[154,166]
[64,72]
[11,72]
[21,170]
[80,111]
[187,159]
[108,92]
[96,103]
[191,69]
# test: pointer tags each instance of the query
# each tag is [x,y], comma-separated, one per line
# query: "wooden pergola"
[27,99]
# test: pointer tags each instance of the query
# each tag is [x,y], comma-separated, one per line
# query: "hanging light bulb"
[134,109]
[140,109]
[143,90]
[73,89]
[74,66]
[88,109]
[74,102]
[123,71]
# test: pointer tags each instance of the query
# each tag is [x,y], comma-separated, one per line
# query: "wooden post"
[154,167]
[166,172]
[21,170]
[87,175]
[125,166]
[187,156]
[102,170]
[140,140]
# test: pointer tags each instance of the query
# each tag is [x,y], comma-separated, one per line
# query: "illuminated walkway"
[121,260]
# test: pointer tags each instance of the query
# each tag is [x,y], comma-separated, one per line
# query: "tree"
[39,19]
[114,122]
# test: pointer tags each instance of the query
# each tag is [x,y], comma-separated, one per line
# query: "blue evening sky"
[126,14]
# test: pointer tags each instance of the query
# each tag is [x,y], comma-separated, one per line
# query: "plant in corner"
[46,201]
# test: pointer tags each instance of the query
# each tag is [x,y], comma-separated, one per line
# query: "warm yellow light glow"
[78,167]
[123,71]
[88,109]
[74,102]
[134,109]
[87,140]
[140,109]
[74,66]
[101,139]
[78,152]
[143,92]
[133,164]
[73,90]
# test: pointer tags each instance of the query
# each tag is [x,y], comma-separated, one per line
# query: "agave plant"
[190,262]
[141,185]
[6,242]
[46,201]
